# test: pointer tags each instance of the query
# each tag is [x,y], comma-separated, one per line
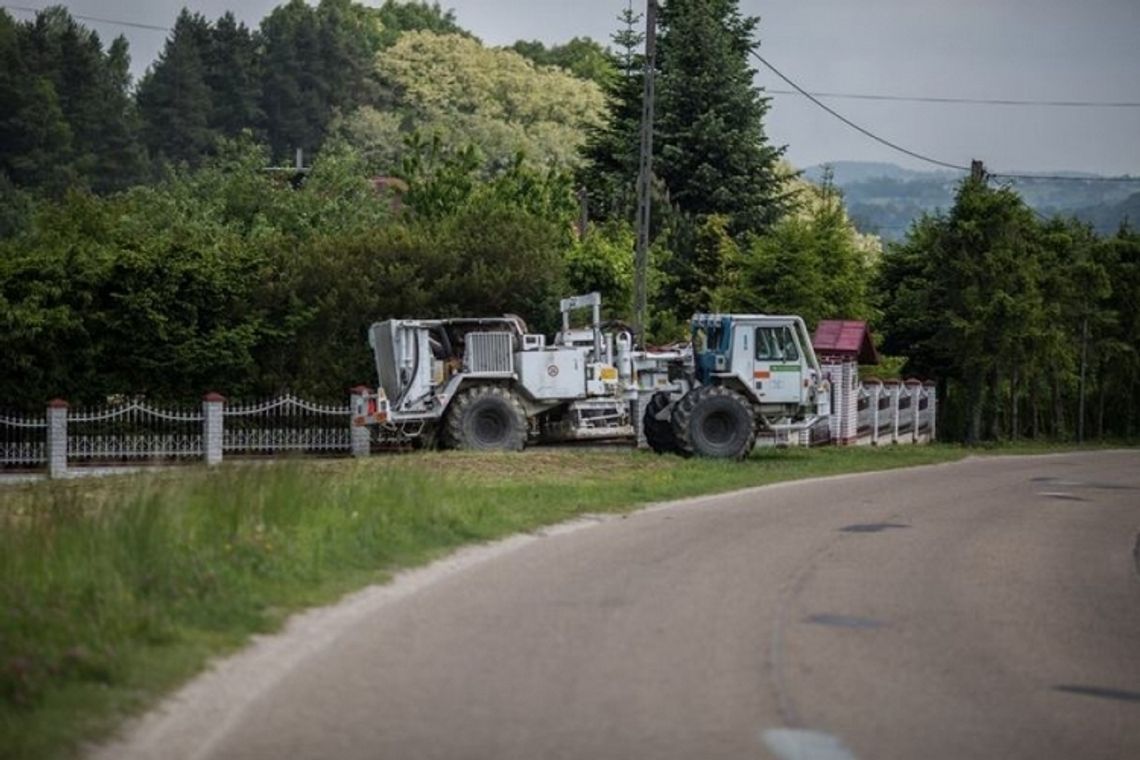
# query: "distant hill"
[1108,218]
[883,198]
[849,172]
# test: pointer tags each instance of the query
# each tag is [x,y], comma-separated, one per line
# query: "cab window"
[776,344]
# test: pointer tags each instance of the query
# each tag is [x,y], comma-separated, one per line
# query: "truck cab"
[767,358]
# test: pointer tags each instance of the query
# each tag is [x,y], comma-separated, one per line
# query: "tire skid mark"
[1136,555]
[1100,692]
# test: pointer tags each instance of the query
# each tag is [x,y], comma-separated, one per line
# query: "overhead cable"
[970,101]
[116,22]
[1063,177]
[928,159]
[853,125]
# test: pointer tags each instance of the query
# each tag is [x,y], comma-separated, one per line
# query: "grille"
[489,352]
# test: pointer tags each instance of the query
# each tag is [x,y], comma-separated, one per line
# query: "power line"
[853,125]
[921,157]
[1063,178]
[971,101]
[116,22]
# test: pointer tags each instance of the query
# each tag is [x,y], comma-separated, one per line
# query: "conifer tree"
[232,72]
[713,154]
[610,155]
[174,99]
[120,160]
[71,101]
[318,62]
[35,140]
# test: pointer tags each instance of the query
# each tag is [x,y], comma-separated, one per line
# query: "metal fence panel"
[133,431]
[23,441]
[285,424]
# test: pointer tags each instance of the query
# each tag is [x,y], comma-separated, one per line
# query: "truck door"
[777,373]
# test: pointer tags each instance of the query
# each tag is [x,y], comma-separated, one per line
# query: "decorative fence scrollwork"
[135,431]
[23,441]
[132,432]
[286,424]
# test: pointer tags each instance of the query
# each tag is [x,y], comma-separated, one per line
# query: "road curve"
[984,609]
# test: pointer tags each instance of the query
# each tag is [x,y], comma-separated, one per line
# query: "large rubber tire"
[714,422]
[658,433]
[485,418]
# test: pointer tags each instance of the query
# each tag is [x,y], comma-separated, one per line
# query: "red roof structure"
[845,339]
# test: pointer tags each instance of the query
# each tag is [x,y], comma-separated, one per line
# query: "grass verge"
[114,591]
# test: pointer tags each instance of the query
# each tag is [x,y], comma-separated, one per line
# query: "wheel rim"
[717,428]
[489,427]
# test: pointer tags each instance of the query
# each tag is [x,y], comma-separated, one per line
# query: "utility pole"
[1084,364]
[645,176]
[977,171]
[583,211]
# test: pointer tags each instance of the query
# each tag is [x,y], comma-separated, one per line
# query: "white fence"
[894,412]
[137,432]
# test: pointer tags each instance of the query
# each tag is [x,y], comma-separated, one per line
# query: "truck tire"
[658,433]
[485,418]
[714,422]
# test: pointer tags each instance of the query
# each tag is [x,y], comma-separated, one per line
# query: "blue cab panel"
[712,346]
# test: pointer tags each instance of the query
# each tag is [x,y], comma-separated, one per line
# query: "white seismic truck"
[489,383]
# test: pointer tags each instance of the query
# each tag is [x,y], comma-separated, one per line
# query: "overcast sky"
[1020,49]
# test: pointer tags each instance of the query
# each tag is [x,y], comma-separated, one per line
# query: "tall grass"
[111,592]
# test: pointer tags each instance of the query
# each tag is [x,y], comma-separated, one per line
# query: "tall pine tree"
[119,158]
[70,77]
[610,155]
[232,72]
[713,153]
[174,99]
[35,140]
[317,63]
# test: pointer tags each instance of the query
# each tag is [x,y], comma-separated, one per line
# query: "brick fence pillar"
[57,438]
[361,435]
[213,422]
[833,372]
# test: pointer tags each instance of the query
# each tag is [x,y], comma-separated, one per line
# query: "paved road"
[985,609]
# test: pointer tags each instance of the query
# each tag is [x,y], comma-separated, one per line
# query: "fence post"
[874,389]
[213,420]
[913,389]
[932,409]
[892,389]
[57,410]
[361,437]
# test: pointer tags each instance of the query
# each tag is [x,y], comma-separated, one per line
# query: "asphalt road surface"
[984,609]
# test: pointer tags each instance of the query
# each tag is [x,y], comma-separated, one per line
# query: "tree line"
[1030,325]
[73,116]
[447,179]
